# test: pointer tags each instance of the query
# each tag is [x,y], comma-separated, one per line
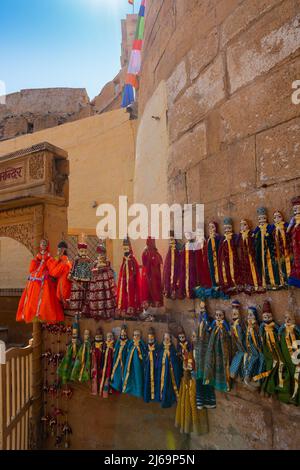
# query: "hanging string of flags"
[134,68]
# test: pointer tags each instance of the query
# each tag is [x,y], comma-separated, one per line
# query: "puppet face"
[151,338]
[262,219]
[167,338]
[244,226]
[296,209]
[99,338]
[228,229]
[74,340]
[43,245]
[123,334]
[235,313]
[136,335]
[109,337]
[181,337]
[289,319]
[212,229]
[189,236]
[86,335]
[220,315]
[82,252]
[61,251]
[251,316]
[202,307]
[277,217]
[267,317]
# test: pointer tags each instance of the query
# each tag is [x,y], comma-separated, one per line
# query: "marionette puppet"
[97,353]
[238,342]
[254,363]
[59,268]
[294,231]
[171,269]
[211,250]
[65,368]
[187,417]
[80,276]
[289,334]
[39,302]
[273,375]
[265,252]
[183,345]
[151,279]
[133,379]
[101,301]
[250,281]
[169,372]
[150,367]
[108,358]
[228,261]
[128,293]
[188,270]
[283,250]
[82,368]
[120,356]
[206,397]
[218,355]
[203,275]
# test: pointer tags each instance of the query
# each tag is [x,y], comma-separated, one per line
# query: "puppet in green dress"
[82,368]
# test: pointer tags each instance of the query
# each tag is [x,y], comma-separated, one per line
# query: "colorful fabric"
[294,278]
[272,377]
[254,359]
[65,368]
[228,263]
[266,257]
[129,286]
[101,299]
[168,377]
[289,391]
[211,249]
[82,367]
[218,357]
[151,279]
[119,362]
[39,301]
[171,272]
[238,341]
[250,281]
[108,357]
[188,272]
[133,379]
[150,373]
[60,270]
[283,251]
[96,366]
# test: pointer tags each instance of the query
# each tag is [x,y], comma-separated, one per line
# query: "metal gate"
[16,397]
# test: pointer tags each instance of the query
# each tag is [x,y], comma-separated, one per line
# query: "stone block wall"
[233,145]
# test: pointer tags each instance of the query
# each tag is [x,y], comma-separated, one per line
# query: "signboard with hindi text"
[12,174]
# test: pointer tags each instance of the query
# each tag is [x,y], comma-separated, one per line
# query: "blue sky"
[68,43]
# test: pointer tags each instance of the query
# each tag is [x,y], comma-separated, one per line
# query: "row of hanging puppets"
[253,261]
[256,352]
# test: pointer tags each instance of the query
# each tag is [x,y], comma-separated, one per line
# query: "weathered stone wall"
[233,144]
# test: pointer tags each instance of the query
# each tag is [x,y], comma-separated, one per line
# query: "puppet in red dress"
[151,282]
[39,301]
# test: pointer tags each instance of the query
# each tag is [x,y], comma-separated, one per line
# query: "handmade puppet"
[238,342]
[101,292]
[283,251]
[128,293]
[80,276]
[228,259]
[108,358]
[183,345]
[150,367]
[265,252]
[187,417]
[250,281]
[133,379]
[294,231]
[289,334]
[65,368]
[218,355]
[82,366]
[39,301]
[273,374]
[188,268]
[202,268]
[169,373]
[254,364]
[151,280]
[211,249]
[206,397]
[120,356]
[172,269]
[97,354]
[59,268]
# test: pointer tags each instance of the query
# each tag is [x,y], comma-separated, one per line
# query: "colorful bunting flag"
[135,61]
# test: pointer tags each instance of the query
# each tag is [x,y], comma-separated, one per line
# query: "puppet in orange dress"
[59,268]
[39,301]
